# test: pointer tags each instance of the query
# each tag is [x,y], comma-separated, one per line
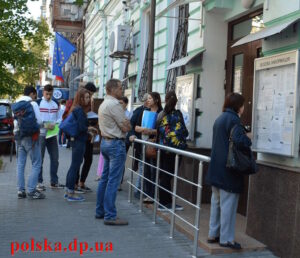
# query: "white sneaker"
[40,187]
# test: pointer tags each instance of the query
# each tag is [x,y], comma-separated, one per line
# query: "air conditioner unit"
[119,40]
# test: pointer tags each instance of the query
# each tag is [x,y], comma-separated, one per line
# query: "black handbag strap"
[231,131]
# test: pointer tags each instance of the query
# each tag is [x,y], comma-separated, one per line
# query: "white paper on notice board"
[274,107]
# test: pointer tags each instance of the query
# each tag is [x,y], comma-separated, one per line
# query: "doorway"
[240,72]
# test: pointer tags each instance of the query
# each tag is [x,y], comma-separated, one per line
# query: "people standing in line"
[128,114]
[81,105]
[49,110]
[88,154]
[132,134]
[172,132]
[64,116]
[113,126]
[28,144]
[61,136]
[226,185]
[154,105]
[124,102]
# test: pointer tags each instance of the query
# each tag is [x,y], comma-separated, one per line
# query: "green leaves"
[22,47]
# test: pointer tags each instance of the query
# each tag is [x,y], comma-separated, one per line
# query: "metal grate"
[143,81]
[180,47]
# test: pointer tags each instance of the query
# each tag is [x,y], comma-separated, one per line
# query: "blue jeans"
[78,149]
[222,215]
[114,154]
[52,148]
[24,147]
[61,137]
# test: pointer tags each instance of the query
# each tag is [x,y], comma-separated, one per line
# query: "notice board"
[185,91]
[275,104]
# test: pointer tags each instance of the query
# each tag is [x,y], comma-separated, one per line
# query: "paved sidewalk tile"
[56,220]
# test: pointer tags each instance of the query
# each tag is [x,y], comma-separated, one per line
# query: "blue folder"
[149,119]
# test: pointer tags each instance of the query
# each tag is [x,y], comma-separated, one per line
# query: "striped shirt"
[49,111]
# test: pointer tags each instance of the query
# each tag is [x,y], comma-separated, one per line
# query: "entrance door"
[240,71]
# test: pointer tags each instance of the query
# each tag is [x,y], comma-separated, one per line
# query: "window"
[248,26]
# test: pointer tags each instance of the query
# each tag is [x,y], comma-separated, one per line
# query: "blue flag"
[63,49]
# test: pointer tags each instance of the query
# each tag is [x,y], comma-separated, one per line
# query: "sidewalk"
[57,220]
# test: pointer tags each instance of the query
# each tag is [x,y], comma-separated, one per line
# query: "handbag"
[70,126]
[240,160]
[151,152]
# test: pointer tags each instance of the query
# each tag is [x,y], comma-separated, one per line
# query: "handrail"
[176,151]
[140,174]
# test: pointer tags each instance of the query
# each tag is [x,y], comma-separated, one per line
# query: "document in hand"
[52,133]
[149,119]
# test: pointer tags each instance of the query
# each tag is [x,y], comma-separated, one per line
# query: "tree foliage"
[20,39]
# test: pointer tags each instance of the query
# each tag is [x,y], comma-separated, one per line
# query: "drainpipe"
[151,45]
[104,26]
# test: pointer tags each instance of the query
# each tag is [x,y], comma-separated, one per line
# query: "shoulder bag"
[240,160]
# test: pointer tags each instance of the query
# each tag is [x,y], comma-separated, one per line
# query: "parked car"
[6,125]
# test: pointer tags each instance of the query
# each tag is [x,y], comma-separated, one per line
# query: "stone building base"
[274,209]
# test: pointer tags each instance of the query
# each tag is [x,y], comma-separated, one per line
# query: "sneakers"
[75,198]
[78,190]
[169,207]
[115,222]
[147,200]
[66,195]
[57,186]
[84,188]
[36,195]
[40,187]
[21,194]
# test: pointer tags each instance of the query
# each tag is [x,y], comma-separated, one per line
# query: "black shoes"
[234,245]
[21,194]
[213,240]
[116,222]
[36,195]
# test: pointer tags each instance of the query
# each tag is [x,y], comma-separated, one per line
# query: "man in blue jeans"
[113,126]
[49,110]
[28,145]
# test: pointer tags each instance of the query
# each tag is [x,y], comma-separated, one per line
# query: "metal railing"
[177,152]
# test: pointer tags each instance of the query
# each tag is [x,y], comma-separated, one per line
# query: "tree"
[15,30]
[37,46]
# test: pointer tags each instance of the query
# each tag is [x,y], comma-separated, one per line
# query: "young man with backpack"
[27,129]
[49,110]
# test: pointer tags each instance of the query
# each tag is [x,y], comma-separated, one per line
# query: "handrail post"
[174,196]
[142,179]
[156,186]
[197,215]
[131,174]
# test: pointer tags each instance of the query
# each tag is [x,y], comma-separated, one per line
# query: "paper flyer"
[52,133]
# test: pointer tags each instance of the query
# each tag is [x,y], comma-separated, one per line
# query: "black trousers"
[168,164]
[88,159]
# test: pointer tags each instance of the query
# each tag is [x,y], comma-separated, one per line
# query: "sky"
[34,8]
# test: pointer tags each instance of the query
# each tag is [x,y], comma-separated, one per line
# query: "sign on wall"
[185,91]
[275,127]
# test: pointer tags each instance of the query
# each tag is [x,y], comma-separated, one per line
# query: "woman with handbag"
[154,105]
[226,184]
[79,109]
[172,132]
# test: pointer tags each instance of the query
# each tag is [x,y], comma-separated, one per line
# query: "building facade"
[217,41]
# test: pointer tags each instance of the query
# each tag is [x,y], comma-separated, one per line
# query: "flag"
[63,49]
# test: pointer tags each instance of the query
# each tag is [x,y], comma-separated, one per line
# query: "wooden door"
[239,78]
